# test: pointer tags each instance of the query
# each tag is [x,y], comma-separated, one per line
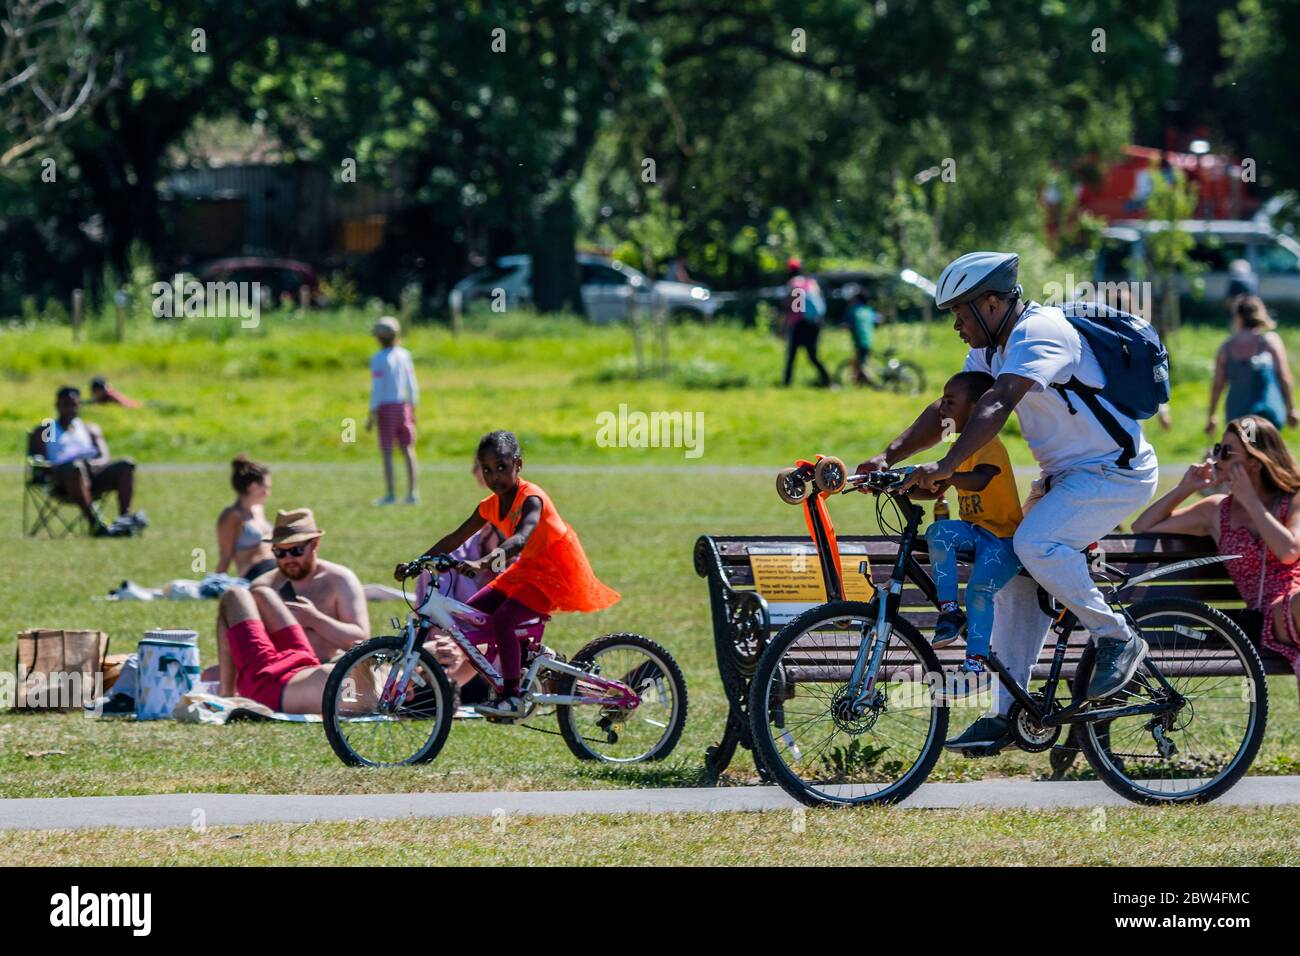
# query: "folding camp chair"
[46,510]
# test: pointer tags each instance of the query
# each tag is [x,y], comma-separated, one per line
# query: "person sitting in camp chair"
[73,455]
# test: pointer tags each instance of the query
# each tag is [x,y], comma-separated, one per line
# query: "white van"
[1273,256]
[609,289]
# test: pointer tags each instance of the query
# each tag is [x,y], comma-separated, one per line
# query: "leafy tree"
[1265,77]
[1172,200]
[742,118]
[51,71]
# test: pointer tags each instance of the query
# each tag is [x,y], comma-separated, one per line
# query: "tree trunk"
[553,248]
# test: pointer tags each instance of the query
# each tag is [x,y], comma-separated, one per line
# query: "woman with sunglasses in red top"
[1258,522]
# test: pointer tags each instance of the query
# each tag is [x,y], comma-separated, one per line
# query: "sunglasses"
[1221,452]
[297,551]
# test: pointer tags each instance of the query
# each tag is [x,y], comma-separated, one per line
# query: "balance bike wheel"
[830,475]
[790,487]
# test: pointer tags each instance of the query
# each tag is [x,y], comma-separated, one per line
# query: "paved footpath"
[224,809]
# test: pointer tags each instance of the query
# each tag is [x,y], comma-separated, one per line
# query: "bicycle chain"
[543,730]
[1076,750]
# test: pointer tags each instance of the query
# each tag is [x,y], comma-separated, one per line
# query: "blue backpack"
[1131,356]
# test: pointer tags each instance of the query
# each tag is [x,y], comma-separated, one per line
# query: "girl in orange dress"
[551,573]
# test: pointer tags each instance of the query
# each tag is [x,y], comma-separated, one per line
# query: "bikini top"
[250,535]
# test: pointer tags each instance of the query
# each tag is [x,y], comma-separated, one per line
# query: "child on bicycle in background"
[551,573]
[862,319]
[990,511]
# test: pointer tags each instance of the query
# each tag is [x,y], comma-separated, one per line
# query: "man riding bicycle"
[1097,468]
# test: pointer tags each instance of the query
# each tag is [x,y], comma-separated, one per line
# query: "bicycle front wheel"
[364,730]
[1195,752]
[808,734]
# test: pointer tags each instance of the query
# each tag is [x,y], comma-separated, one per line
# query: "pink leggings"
[506,614]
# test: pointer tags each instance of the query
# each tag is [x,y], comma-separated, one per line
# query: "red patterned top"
[1263,581]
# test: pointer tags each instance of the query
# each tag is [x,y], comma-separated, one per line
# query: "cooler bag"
[169,669]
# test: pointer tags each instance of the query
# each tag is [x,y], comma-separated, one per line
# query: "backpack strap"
[1104,417]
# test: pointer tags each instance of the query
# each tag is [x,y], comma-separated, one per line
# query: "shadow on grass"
[670,774]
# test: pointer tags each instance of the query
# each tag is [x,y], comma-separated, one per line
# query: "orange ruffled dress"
[552,564]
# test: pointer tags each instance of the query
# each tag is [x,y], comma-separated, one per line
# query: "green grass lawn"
[283,392]
[638,527]
[287,390]
[1174,836]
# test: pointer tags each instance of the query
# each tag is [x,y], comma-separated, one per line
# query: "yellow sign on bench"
[792,583]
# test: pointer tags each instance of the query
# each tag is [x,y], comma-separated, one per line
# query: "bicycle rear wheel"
[614,735]
[362,731]
[905,378]
[848,373]
[816,747]
[1197,752]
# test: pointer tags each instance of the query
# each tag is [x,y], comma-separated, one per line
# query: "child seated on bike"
[990,511]
[551,573]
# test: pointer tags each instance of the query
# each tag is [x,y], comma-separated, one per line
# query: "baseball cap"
[387,327]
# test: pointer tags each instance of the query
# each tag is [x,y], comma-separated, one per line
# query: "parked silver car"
[609,289]
[1273,256]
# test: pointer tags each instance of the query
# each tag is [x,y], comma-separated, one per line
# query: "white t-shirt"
[392,378]
[1046,348]
[69,444]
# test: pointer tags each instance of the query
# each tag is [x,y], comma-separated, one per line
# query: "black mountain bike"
[849,704]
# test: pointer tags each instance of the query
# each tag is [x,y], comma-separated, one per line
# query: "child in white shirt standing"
[394,393]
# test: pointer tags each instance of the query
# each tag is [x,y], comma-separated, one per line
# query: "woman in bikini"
[1258,521]
[242,527]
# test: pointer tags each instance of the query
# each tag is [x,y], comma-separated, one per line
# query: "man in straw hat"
[305,605]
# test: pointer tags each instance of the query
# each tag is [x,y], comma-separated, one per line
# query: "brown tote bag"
[59,670]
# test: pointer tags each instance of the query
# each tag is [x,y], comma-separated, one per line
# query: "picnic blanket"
[212,586]
[209,587]
[203,708]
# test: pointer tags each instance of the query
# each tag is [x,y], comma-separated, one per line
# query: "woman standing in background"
[1252,363]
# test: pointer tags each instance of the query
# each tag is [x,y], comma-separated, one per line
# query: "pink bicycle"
[621,699]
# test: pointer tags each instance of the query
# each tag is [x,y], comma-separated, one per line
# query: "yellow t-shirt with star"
[996,506]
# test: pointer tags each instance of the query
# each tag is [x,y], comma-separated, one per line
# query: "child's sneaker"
[948,627]
[503,708]
[386,500]
[971,679]
[412,499]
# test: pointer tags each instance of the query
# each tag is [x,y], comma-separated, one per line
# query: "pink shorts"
[264,663]
[395,425]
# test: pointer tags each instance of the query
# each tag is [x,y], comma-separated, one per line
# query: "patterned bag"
[169,669]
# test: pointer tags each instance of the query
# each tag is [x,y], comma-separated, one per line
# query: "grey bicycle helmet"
[975,274]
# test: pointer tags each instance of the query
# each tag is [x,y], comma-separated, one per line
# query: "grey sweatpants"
[1081,506]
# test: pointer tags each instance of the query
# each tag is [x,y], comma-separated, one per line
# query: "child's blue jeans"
[995,564]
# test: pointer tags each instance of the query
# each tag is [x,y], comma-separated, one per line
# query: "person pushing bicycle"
[1097,467]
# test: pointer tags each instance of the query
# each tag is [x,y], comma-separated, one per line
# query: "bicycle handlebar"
[434,563]
[885,480]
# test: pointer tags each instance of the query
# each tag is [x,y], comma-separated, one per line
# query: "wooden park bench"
[744,618]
